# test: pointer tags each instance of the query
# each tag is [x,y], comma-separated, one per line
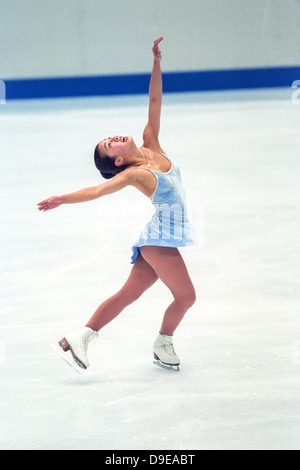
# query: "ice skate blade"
[66,347]
[68,357]
[166,366]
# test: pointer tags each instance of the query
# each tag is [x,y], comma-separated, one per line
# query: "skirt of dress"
[166,228]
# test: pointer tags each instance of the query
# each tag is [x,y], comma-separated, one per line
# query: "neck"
[137,158]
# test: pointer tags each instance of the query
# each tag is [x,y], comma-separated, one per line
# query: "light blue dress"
[169,225]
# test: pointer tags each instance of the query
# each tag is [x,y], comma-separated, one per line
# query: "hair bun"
[107,176]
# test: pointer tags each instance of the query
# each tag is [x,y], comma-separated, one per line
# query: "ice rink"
[239,384]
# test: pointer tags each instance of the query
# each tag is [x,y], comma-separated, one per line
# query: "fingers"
[43,206]
[48,204]
[47,207]
[52,200]
[158,40]
[43,202]
[156,50]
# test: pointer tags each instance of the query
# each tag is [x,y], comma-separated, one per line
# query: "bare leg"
[170,268]
[142,277]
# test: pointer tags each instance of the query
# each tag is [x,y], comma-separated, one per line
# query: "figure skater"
[155,254]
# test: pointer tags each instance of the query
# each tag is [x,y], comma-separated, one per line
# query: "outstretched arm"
[119,182]
[151,131]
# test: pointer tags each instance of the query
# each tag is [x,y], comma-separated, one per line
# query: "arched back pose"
[155,254]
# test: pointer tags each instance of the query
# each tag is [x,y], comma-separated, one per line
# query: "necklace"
[148,164]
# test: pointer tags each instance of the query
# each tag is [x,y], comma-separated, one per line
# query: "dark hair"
[106,165]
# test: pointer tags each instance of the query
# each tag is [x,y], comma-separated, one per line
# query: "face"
[117,146]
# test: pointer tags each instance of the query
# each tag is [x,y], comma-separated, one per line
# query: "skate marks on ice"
[246,276]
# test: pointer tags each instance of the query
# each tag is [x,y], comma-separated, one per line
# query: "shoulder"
[130,176]
[141,178]
[136,174]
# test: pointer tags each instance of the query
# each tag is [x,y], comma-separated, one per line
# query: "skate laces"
[169,348]
[84,342]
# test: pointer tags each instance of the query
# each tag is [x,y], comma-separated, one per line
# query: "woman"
[155,254]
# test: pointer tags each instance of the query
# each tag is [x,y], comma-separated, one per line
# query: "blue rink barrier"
[173,82]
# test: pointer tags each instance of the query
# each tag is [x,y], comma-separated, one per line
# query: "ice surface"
[238,387]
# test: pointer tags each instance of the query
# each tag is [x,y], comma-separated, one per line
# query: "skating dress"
[169,225]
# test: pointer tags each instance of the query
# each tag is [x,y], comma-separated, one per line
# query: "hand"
[50,203]
[156,50]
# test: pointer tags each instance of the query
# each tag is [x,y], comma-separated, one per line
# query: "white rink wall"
[108,37]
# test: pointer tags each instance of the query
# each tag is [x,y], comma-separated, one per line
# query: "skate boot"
[73,348]
[164,353]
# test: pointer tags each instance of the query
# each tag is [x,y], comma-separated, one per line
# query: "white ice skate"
[164,353]
[73,348]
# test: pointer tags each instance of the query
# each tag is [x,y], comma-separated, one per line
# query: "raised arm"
[151,132]
[119,182]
